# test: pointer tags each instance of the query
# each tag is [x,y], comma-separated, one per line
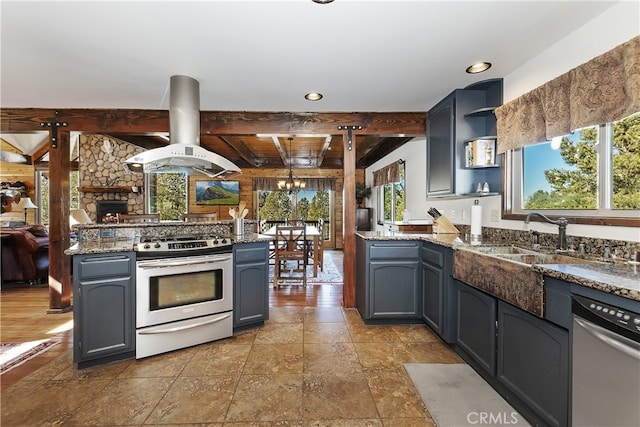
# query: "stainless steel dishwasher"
[606,365]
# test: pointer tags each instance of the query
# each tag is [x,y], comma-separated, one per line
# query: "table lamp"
[79,216]
[26,203]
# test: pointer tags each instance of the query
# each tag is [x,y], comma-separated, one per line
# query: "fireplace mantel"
[106,189]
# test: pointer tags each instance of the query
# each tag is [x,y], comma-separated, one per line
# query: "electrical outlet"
[453,214]
[494,215]
[464,214]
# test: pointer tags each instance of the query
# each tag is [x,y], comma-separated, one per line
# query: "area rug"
[455,395]
[328,275]
[14,354]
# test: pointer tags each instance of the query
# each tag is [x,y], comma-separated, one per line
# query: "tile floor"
[307,366]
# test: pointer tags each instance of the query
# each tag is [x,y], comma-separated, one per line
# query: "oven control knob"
[215,241]
[146,246]
[157,245]
[224,241]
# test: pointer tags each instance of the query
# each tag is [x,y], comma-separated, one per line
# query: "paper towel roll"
[476,220]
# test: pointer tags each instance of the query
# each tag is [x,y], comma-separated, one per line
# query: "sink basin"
[504,250]
[541,258]
[528,256]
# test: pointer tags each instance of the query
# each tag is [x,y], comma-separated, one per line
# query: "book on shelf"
[480,152]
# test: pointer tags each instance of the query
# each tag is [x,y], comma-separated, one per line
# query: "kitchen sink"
[542,258]
[528,256]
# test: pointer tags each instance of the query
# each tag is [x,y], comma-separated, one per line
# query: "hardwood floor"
[24,317]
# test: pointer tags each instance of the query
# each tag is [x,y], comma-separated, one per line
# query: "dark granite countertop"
[448,240]
[125,244]
[619,278]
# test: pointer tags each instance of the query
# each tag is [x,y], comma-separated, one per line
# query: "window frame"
[512,187]
[393,187]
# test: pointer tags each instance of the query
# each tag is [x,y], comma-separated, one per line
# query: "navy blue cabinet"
[476,326]
[250,284]
[462,117]
[388,280]
[533,362]
[524,357]
[438,298]
[103,308]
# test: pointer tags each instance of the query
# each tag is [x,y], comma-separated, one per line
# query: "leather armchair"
[25,254]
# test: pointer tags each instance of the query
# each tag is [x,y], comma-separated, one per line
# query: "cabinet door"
[395,291]
[440,148]
[250,284]
[476,329]
[533,362]
[105,320]
[432,296]
[251,296]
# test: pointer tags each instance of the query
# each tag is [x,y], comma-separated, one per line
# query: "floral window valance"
[603,90]
[388,174]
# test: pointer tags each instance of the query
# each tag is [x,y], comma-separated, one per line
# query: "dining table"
[312,235]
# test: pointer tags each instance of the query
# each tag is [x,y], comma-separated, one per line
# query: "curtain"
[387,174]
[271,184]
[603,90]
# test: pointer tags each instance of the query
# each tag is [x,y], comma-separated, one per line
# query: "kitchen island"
[145,289]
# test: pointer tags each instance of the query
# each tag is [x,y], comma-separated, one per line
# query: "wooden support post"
[349,220]
[59,265]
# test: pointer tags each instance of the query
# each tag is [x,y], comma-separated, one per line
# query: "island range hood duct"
[184,153]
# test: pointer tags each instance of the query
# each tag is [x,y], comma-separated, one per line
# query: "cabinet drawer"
[250,254]
[394,251]
[432,256]
[101,266]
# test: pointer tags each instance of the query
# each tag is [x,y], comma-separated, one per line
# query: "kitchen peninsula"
[148,288]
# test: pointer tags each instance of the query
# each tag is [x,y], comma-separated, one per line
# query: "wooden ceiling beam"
[213,122]
[238,145]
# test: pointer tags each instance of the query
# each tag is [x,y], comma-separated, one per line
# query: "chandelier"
[290,183]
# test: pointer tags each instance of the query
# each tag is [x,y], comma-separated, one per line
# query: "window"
[391,199]
[167,194]
[307,205]
[593,171]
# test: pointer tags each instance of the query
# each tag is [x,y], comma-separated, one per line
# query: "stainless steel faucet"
[562,228]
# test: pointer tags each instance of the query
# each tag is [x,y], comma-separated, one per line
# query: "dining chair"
[319,247]
[290,255]
[200,217]
[134,218]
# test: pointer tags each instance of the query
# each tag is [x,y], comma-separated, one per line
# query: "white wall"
[617,25]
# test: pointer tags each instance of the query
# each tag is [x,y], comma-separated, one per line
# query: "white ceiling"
[265,55]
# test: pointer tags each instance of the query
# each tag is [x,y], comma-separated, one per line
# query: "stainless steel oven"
[182,299]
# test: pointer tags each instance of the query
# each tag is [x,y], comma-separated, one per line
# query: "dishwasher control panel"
[625,318]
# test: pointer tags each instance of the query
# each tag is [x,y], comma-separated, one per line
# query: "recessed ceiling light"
[313,96]
[478,67]
[322,1]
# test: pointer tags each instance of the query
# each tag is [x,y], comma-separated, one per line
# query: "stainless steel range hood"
[184,153]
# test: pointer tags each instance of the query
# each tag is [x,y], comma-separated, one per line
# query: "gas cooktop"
[182,243]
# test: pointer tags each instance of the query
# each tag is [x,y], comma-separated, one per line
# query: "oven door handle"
[183,328]
[180,262]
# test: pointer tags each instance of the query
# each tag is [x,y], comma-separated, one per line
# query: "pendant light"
[291,184]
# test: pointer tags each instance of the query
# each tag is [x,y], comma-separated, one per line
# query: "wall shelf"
[105,189]
[481,112]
